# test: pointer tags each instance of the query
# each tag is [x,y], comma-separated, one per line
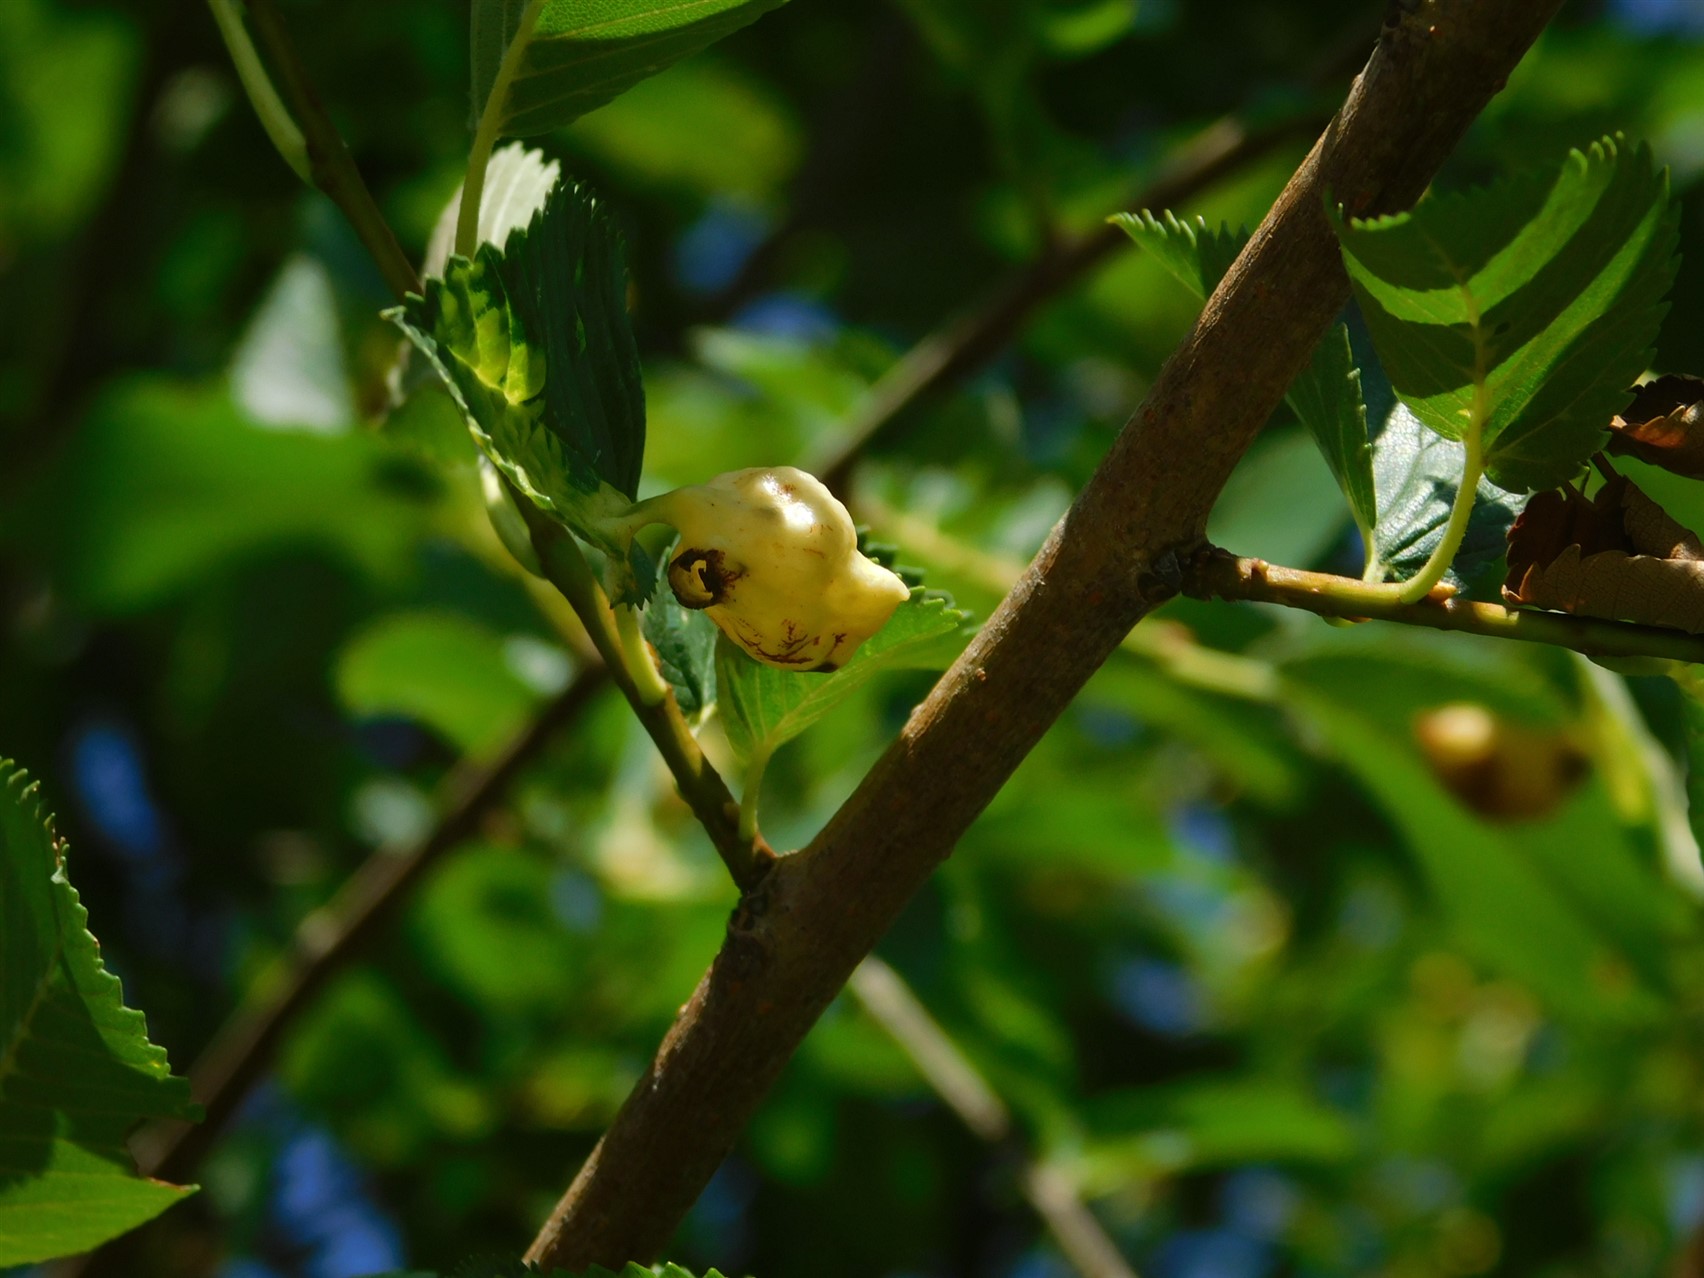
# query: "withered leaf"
[1664,425]
[1617,556]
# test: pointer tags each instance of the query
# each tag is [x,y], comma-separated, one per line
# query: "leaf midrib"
[38,1000]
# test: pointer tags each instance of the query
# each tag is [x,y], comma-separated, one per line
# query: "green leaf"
[181,486]
[1416,473]
[1208,1122]
[1196,255]
[764,708]
[1692,706]
[1508,907]
[534,342]
[447,672]
[77,1071]
[579,54]
[494,24]
[1326,395]
[1540,297]
[685,641]
[518,182]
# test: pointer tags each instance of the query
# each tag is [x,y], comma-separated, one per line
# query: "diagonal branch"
[888,1001]
[1110,560]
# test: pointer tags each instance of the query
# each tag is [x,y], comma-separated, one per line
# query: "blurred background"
[1293,950]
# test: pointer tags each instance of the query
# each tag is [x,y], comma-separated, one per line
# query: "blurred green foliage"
[1275,998]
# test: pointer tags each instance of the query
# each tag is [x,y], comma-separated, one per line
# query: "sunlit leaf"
[535,344]
[1533,302]
[1208,1122]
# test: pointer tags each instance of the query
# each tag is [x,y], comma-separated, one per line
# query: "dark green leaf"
[1693,707]
[685,641]
[1540,296]
[494,25]
[764,708]
[578,54]
[535,344]
[77,1071]
[1326,396]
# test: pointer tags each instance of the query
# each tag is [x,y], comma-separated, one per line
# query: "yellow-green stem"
[485,136]
[1432,572]
[749,796]
[636,657]
[275,117]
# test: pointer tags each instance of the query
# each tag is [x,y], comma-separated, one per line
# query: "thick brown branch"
[887,999]
[1217,575]
[817,914]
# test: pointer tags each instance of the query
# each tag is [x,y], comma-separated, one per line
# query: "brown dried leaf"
[1617,556]
[1664,425]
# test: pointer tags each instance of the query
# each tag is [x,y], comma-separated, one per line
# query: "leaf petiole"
[485,136]
[275,117]
[653,689]
[749,795]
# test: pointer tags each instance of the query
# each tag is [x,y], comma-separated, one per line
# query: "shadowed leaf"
[579,54]
[77,1071]
[534,343]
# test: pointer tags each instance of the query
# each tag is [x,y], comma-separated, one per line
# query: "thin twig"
[331,167]
[1215,574]
[884,995]
[1109,561]
[964,345]
[959,348]
[327,940]
[1169,645]
[743,851]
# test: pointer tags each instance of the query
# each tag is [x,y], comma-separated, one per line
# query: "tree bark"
[796,939]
